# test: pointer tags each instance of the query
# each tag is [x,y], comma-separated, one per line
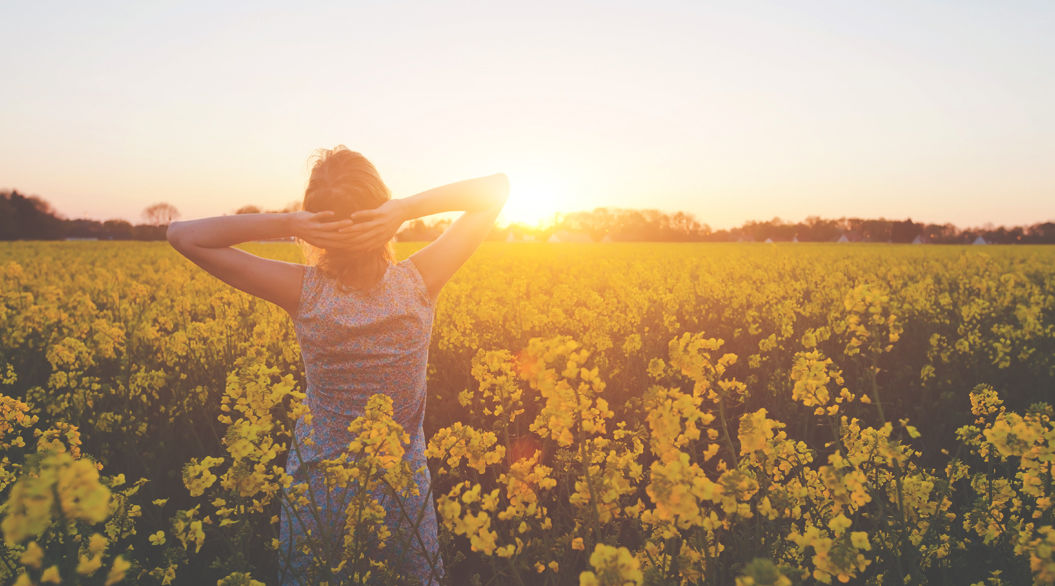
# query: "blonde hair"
[344,182]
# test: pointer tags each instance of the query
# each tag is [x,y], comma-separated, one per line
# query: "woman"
[363,323]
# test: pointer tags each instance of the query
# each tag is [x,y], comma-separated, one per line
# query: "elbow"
[175,235]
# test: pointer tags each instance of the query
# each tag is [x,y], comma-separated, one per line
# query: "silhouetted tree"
[148,232]
[117,229]
[818,229]
[84,228]
[28,217]
[905,231]
[628,225]
[1041,233]
[685,226]
[160,214]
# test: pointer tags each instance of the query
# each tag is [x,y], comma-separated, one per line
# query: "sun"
[534,198]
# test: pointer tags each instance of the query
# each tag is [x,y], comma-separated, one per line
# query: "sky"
[937,111]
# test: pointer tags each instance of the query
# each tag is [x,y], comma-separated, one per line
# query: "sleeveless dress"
[355,344]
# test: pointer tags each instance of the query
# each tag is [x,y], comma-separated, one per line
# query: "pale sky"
[733,111]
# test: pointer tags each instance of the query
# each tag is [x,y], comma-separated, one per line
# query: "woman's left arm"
[208,243]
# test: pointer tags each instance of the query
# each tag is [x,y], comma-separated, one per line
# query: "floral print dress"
[355,344]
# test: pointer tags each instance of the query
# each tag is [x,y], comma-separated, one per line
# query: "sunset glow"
[731,112]
[535,198]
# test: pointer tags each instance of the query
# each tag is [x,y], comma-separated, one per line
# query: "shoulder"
[310,283]
[414,280]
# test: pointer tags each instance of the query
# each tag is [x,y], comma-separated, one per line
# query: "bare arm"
[208,243]
[472,195]
[481,199]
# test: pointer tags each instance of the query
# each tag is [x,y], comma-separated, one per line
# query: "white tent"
[769,240]
[511,238]
[794,238]
[918,239]
[607,238]
[843,238]
[979,240]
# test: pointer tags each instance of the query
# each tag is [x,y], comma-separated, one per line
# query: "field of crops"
[598,414]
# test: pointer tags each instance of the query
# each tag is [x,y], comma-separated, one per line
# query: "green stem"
[937,510]
[294,508]
[416,522]
[725,433]
[875,392]
[514,572]
[903,545]
[595,518]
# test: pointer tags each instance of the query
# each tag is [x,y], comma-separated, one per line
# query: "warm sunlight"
[535,198]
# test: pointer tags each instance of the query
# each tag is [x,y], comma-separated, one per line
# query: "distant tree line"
[623,225]
[628,225]
[30,217]
[816,229]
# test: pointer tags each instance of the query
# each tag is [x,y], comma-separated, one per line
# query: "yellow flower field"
[598,414]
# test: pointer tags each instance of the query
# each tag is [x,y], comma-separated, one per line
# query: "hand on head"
[363,230]
[373,228]
[320,229]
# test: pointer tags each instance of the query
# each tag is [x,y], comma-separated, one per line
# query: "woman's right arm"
[482,194]
[481,199]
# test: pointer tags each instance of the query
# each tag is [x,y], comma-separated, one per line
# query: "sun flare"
[535,199]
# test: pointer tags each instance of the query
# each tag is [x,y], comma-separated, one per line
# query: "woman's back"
[355,344]
[358,343]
